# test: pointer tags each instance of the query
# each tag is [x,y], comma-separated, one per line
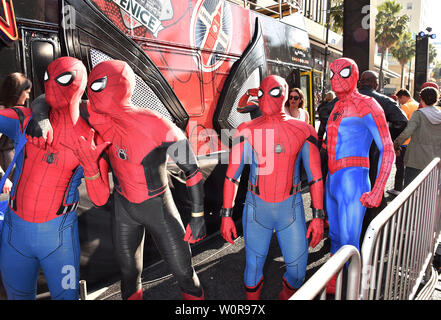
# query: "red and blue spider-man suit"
[274,145]
[354,122]
[141,141]
[40,228]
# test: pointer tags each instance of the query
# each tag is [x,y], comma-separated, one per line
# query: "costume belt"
[255,189]
[336,165]
[62,210]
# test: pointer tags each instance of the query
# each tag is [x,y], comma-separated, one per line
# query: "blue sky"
[434,21]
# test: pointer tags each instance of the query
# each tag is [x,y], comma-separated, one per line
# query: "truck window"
[143,96]
[304,86]
[43,48]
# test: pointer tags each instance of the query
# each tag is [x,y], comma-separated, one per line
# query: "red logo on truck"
[8,26]
[145,13]
[211,31]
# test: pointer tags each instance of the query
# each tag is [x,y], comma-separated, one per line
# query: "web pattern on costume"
[47,186]
[140,137]
[272,144]
[344,78]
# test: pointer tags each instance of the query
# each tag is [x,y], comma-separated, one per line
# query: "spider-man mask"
[344,76]
[273,93]
[110,86]
[64,82]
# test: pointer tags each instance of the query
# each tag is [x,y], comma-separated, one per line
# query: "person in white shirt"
[294,105]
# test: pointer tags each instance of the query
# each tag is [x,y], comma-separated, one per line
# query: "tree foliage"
[336,16]
[403,51]
[389,26]
[432,53]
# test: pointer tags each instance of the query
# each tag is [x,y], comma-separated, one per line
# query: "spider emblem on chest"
[121,153]
[338,115]
[50,157]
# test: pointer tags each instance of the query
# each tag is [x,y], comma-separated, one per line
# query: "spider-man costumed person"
[141,141]
[274,145]
[354,123]
[40,227]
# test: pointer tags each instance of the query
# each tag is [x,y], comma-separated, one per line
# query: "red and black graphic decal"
[145,13]
[8,26]
[211,30]
[138,17]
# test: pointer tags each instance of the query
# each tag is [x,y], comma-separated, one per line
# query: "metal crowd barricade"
[317,283]
[399,244]
[397,249]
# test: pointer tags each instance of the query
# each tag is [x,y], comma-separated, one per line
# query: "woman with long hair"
[294,105]
[14,91]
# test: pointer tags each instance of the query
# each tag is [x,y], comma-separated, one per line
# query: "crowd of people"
[347,162]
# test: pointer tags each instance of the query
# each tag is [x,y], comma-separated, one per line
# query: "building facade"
[416,10]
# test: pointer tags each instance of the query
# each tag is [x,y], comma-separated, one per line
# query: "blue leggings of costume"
[343,207]
[287,218]
[52,246]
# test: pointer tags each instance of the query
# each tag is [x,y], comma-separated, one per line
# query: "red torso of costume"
[348,135]
[137,148]
[139,137]
[47,174]
[276,165]
[274,143]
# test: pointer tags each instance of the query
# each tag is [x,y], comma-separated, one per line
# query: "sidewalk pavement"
[220,267]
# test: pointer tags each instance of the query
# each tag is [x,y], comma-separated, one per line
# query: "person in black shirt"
[324,110]
[397,121]
[394,115]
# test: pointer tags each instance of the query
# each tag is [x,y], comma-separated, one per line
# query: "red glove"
[245,106]
[227,228]
[88,153]
[46,133]
[195,230]
[371,199]
[316,228]
[253,92]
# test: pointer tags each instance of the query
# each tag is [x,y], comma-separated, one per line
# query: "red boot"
[136,296]
[188,296]
[287,291]
[330,287]
[253,293]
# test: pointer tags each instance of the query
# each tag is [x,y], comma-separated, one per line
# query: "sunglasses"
[294,97]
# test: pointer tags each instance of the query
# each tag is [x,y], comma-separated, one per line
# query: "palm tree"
[336,15]
[432,53]
[403,50]
[388,28]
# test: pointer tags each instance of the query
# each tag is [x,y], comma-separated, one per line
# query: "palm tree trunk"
[381,78]
[402,76]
